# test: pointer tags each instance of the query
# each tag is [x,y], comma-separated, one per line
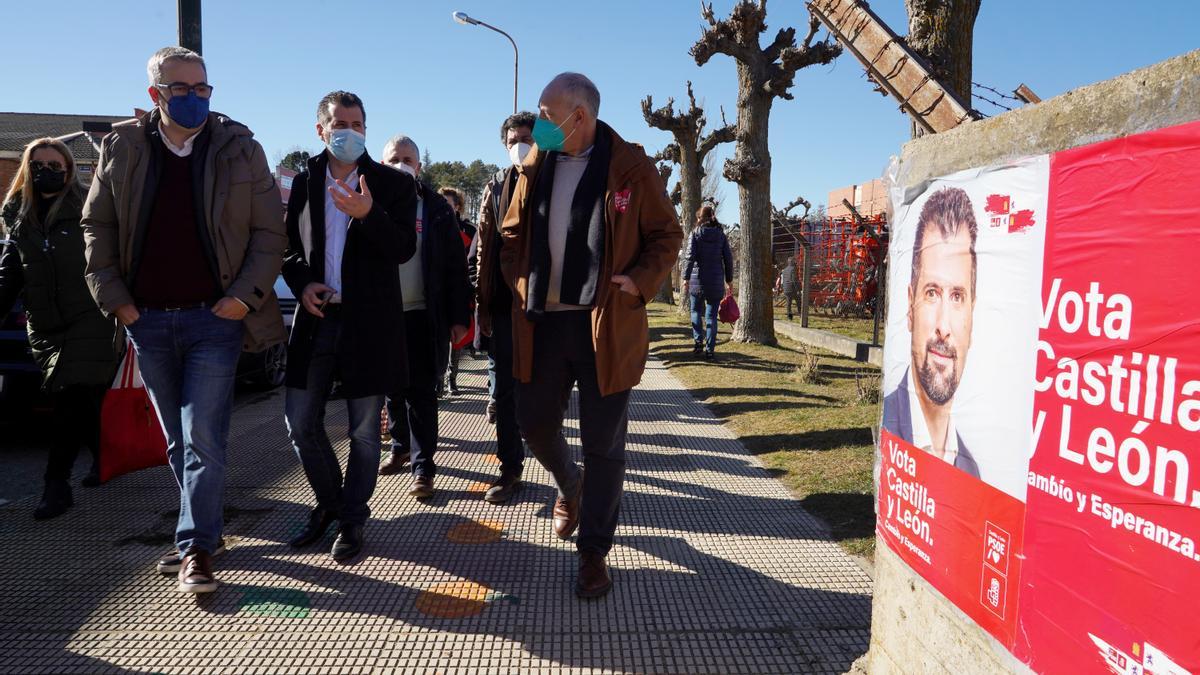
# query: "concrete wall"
[914,629]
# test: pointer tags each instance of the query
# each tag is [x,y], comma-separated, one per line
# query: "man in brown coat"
[588,238]
[184,240]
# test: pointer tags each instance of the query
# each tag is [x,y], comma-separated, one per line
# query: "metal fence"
[840,268]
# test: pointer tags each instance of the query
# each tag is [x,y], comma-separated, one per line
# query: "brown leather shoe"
[196,572]
[394,464]
[422,487]
[594,580]
[566,513]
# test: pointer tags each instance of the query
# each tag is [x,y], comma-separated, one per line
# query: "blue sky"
[449,86]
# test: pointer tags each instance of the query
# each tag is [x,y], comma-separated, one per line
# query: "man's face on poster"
[940,305]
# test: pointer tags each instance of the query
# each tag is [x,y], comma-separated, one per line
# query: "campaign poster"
[964,271]
[1040,451]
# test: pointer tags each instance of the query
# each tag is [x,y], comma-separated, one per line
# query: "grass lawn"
[816,436]
[852,327]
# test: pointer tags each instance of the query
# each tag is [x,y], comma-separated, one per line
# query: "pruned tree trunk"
[690,148]
[942,32]
[763,75]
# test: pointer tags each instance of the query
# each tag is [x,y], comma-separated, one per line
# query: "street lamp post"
[461,17]
[189,25]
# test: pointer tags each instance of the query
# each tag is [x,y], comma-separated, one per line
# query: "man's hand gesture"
[352,203]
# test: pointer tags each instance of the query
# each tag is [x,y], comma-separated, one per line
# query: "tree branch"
[735,36]
[792,59]
[665,117]
[725,134]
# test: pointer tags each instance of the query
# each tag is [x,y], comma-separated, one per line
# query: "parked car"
[265,369]
[20,377]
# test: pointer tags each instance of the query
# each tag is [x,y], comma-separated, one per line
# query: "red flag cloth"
[729,312]
[131,437]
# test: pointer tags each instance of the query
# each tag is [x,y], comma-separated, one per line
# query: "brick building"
[869,199]
[81,133]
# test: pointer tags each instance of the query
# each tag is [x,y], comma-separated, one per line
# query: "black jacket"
[71,340]
[372,357]
[444,267]
[709,262]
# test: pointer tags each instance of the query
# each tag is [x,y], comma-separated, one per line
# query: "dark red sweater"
[174,270]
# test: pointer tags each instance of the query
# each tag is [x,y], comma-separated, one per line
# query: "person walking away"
[184,239]
[708,277]
[455,199]
[494,303]
[436,313]
[589,237]
[790,286]
[71,340]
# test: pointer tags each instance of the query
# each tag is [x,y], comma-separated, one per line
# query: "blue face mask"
[347,145]
[189,112]
[548,136]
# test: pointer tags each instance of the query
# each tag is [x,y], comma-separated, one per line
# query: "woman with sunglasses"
[43,263]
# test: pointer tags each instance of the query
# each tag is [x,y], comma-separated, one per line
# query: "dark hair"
[521,119]
[342,98]
[706,213]
[949,210]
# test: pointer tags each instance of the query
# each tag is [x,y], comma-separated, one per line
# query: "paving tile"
[716,568]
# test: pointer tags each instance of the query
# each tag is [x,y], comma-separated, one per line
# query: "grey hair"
[155,64]
[579,90]
[397,141]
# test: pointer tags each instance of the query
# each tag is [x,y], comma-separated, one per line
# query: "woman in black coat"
[72,342]
[455,199]
[708,277]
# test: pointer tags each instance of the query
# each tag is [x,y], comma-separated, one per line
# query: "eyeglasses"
[203,89]
[53,166]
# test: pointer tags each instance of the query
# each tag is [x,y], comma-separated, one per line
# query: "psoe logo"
[1003,214]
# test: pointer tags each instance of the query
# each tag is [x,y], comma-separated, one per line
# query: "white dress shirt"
[337,224]
[920,430]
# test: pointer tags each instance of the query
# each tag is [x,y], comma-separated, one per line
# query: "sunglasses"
[53,166]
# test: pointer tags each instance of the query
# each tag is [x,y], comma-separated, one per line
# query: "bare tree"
[764,74]
[942,31]
[689,151]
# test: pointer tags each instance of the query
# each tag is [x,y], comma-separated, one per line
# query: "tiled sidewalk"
[717,569]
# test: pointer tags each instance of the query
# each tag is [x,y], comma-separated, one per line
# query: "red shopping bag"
[468,337]
[728,312]
[131,437]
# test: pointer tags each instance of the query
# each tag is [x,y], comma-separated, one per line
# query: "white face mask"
[518,152]
[405,168]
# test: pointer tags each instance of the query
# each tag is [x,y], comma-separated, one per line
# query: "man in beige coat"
[184,239]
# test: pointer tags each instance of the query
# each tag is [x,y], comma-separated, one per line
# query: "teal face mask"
[548,136]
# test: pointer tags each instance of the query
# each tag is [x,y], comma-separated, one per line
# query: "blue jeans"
[188,360]
[510,449]
[306,428]
[699,313]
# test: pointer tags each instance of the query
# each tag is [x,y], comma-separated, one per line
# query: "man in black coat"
[351,223]
[437,311]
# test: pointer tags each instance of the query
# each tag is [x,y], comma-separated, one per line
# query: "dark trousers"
[510,449]
[346,496]
[792,298]
[76,423]
[563,357]
[413,409]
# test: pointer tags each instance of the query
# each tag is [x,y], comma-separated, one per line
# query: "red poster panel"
[1112,575]
[961,534]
